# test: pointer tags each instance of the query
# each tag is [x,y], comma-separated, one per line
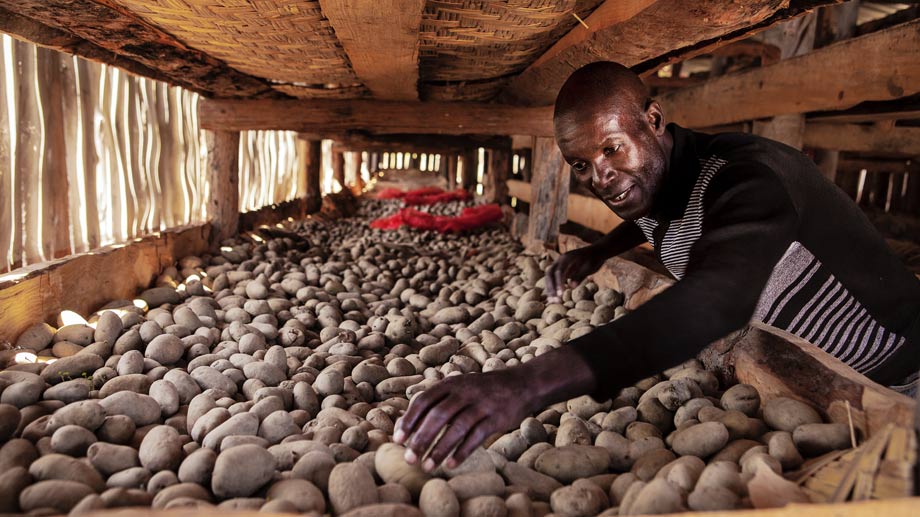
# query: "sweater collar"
[683,171]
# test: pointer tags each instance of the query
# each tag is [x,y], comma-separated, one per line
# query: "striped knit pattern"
[802,296]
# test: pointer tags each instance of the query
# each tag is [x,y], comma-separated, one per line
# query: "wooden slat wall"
[90,156]
[269,162]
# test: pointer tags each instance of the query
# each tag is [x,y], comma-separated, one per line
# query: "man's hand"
[570,269]
[472,407]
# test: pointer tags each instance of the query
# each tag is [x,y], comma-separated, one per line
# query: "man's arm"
[749,223]
[578,264]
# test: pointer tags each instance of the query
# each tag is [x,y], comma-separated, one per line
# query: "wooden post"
[338,167]
[794,37]
[374,164]
[359,181]
[496,187]
[470,165]
[549,192]
[314,191]
[451,160]
[224,178]
[835,23]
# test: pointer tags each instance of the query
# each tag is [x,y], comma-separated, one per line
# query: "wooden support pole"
[358,161]
[550,192]
[451,160]
[314,190]
[497,175]
[224,177]
[793,38]
[470,166]
[338,167]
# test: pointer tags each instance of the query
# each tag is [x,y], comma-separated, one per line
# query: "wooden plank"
[549,194]
[665,31]
[224,178]
[386,63]
[272,214]
[106,25]
[864,139]
[378,117]
[418,143]
[27,215]
[889,70]
[86,281]
[902,507]
[589,212]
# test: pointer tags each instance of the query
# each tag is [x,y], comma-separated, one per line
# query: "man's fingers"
[456,432]
[419,406]
[474,438]
[427,431]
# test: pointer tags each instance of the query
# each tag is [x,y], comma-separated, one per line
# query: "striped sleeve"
[749,222]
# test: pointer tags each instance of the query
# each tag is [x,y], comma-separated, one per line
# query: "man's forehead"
[599,117]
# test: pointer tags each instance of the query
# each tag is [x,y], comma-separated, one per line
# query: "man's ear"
[655,116]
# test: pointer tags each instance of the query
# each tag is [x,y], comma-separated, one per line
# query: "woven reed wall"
[91,156]
[269,162]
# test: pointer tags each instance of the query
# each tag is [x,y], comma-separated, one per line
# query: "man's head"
[613,135]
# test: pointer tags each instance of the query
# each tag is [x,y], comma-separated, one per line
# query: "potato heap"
[270,377]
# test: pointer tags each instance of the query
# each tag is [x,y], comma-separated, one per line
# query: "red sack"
[470,218]
[411,198]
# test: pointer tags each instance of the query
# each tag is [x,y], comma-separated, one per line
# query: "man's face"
[615,154]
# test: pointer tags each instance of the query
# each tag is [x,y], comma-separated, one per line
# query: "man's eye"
[579,166]
[610,150]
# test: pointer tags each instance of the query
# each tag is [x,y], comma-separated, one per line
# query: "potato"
[473,484]
[785,414]
[392,468]
[72,440]
[198,467]
[350,486]
[816,439]
[394,493]
[12,483]
[314,467]
[60,495]
[657,497]
[782,447]
[161,449]
[484,506]
[618,419]
[536,485]
[572,431]
[712,498]
[385,510]
[437,499]
[646,466]
[571,462]
[701,440]
[581,498]
[240,471]
[64,468]
[741,397]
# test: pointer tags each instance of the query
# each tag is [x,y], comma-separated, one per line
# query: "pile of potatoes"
[269,377]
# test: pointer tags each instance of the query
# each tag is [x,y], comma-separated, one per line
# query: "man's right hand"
[570,269]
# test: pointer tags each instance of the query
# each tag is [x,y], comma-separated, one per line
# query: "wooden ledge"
[86,281]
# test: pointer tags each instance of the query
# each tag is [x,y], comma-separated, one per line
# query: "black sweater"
[753,231]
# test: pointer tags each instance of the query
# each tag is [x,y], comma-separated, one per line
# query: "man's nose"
[602,177]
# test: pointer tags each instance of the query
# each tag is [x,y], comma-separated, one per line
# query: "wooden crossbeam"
[104,32]
[646,35]
[888,69]
[374,117]
[381,40]
[864,139]
[438,144]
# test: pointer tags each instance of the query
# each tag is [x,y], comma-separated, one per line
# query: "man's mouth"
[622,195]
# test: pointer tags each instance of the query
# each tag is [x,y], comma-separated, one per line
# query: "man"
[748,226]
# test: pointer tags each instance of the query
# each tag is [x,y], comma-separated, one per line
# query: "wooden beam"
[888,70]
[438,144]
[900,109]
[549,194]
[375,117]
[904,15]
[767,52]
[224,178]
[85,26]
[381,40]
[665,31]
